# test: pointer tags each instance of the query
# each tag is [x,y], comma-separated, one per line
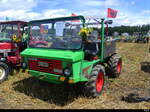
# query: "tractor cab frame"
[73,53]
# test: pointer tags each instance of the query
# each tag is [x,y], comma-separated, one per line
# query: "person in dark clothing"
[147,39]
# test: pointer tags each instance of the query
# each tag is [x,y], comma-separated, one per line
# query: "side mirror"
[109,22]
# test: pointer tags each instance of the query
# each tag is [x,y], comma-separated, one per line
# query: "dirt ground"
[21,91]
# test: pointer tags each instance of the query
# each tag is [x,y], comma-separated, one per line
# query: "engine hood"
[64,55]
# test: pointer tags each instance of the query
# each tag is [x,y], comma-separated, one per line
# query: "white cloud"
[123,18]
[23,10]
[17,4]
[102,3]
[133,3]
[112,3]
[131,19]
[19,14]
[55,13]
[94,12]
[94,3]
[29,15]
[146,12]
[17,9]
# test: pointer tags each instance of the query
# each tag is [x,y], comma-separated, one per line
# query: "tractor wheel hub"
[100,82]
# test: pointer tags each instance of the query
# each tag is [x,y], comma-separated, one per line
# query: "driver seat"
[91,50]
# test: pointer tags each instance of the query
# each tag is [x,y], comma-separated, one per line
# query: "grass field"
[21,91]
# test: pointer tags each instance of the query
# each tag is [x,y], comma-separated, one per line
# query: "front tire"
[95,85]
[4,71]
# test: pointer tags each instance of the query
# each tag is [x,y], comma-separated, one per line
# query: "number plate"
[42,64]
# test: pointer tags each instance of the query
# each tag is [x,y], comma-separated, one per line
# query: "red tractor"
[12,42]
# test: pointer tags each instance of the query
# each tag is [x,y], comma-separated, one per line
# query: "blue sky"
[130,12]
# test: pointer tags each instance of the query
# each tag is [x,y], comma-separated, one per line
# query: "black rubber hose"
[134,98]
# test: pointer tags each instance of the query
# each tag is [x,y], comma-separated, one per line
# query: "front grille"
[48,65]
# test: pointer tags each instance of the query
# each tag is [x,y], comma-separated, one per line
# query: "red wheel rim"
[119,66]
[100,82]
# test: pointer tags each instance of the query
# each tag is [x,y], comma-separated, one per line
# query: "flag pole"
[107,14]
[107,24]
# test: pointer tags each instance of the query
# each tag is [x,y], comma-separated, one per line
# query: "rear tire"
[114,66]
[4,71]
[95,85]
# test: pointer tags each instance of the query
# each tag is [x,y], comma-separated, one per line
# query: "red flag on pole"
[75,15]
[112,13]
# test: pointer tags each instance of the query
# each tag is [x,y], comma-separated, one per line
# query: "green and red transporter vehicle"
[73,53]
[11,45]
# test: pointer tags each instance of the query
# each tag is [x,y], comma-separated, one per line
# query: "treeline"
[129,29]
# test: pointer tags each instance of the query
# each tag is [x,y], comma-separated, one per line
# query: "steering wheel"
[41,45]
[76,39]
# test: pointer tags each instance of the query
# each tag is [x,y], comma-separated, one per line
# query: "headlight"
[3,59]
[67,72]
